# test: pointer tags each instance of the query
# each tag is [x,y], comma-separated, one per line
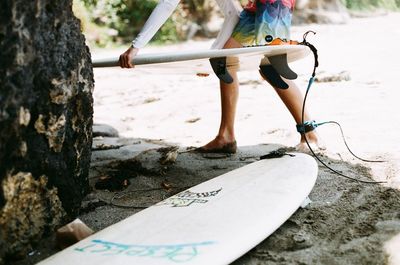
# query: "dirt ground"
[347,222]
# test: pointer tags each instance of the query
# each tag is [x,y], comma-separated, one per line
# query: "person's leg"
[293,100]
[275,23]
[225,141]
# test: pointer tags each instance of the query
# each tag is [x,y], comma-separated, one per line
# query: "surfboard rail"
[214,222]
[294,52]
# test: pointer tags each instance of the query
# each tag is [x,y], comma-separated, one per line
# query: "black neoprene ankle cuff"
[308,126]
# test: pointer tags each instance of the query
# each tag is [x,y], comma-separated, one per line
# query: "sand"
[347,222]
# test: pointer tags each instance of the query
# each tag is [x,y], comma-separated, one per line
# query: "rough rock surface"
[104,130]
[46,84]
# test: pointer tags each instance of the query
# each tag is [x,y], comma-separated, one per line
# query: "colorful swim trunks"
[261,21]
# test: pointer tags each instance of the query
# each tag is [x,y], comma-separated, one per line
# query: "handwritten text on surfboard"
[174,253]
[186,198]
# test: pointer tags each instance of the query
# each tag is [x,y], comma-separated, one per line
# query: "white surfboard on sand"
[214,222]
[197,60]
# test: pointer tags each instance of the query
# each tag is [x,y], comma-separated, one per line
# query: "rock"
[168,155]
[328,77]
[104,130]
[392,250]
[301,4]
[72,233]
[320,12]
[46,109]
[31,208]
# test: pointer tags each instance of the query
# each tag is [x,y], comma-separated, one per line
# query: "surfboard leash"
[313,50]
[310,82]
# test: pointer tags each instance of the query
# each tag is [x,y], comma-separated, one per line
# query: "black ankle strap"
[308,126]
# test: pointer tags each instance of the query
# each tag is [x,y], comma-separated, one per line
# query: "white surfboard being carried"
[294,53]
[250,58]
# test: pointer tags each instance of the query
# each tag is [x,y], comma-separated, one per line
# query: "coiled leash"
[305,127]
[273,73]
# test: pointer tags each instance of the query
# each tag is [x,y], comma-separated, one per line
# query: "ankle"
[225,138]
[312,137]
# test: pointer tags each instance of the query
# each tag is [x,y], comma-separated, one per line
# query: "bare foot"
[313,140]
[219,145]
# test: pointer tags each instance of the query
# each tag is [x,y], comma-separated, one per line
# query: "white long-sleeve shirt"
[164,9]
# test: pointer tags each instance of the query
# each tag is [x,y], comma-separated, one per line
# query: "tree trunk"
[46,108]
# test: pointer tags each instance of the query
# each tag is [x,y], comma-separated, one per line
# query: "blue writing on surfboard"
[176,253]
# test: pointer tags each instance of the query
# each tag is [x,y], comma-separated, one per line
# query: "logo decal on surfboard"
[176,253]
[187,198]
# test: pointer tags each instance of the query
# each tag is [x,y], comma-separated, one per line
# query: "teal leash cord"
[310,82]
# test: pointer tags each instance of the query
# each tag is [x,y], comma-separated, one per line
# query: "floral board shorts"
[261,21]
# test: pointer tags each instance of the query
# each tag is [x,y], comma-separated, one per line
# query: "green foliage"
[127,17]
[371,4]
[200,10]
[119,21]
[96,34]
[81,13]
